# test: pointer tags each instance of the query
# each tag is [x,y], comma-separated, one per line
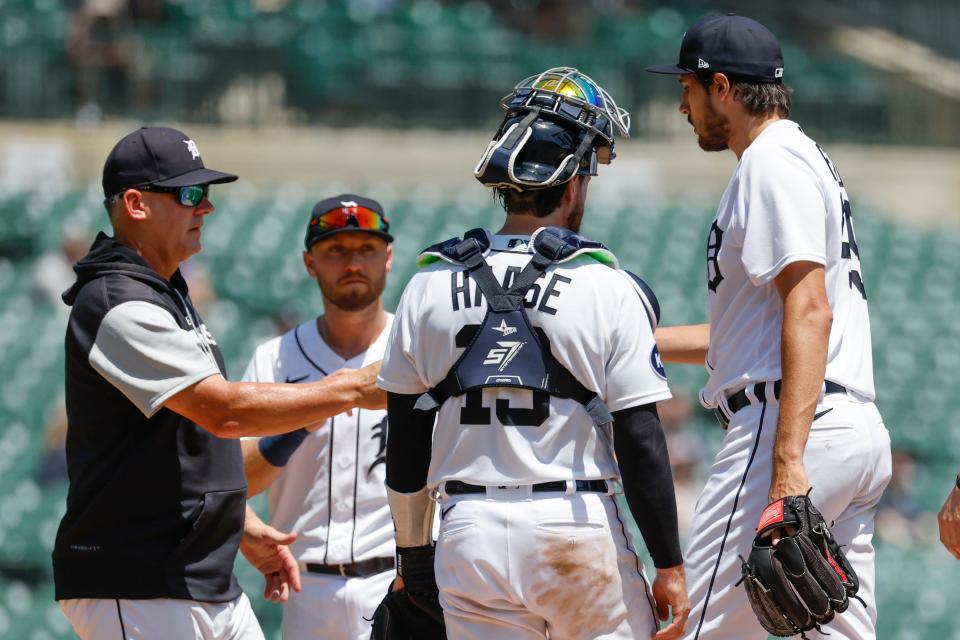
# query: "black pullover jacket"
[156,505]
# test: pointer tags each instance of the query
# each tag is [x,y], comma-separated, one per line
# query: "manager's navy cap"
[157,156]
[735,45]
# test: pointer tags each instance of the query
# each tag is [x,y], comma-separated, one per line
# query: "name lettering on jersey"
[379,433]
[504,354]
[464,293]
[714,242]
[505,329]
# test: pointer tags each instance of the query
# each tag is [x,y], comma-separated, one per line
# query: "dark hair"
[761,99]
[758,98]
[539,202]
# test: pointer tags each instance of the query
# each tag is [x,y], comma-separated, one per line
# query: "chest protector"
[507,350]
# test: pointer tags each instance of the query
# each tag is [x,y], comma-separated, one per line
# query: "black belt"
[739,400]
[455,487]
[360,569]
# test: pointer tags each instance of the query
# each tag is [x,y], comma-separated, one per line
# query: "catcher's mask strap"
[507,145]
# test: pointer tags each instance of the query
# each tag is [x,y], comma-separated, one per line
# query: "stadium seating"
[252,256]
[399,64]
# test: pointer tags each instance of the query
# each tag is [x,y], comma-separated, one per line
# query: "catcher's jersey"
[785,203]
[598,329]
[332,492]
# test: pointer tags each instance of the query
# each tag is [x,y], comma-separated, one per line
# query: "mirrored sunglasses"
[357,217]
[187,196]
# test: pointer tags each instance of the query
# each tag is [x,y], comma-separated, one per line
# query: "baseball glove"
[804,580]
[414,612]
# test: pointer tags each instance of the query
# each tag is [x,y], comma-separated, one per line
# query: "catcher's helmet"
[559,124]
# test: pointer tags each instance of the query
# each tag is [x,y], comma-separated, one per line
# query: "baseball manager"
[155,509]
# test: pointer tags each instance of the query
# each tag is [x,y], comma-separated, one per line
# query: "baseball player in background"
[788,342]
[522,343]
[328,486]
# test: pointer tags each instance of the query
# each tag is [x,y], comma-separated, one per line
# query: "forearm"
[641,449]
[260,473]
[237,409]
[804,339]
[684,344]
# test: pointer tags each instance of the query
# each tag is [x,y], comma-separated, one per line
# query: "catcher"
[535,353]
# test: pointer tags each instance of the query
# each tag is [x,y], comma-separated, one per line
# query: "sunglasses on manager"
[187,196]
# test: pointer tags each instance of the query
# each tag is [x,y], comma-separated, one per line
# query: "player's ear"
[389,256]
[309,264]
[722,85]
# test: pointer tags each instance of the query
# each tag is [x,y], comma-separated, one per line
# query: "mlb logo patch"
[778,73]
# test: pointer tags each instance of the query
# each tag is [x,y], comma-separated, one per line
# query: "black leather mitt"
[803,581]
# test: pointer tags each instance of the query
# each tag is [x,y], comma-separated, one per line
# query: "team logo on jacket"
[657,363]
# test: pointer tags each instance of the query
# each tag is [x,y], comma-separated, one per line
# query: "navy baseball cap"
[346,212]
[157,156]
[735,45]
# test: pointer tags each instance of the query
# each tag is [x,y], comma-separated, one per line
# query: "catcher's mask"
[559,124]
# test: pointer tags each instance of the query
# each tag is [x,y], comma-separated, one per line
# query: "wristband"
[277,449]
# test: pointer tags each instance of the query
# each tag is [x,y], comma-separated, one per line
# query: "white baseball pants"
[331,607]
[848,465]
[519,567]
[162,618]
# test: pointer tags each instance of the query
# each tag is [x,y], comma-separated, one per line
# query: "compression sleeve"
[641,449]
[409,443]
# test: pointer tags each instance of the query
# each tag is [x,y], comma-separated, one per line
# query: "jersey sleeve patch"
[657,363]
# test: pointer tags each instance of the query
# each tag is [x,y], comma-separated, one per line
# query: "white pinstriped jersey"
[785,203]
[332,492]
[597,328]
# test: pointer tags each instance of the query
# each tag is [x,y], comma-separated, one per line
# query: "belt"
[360,569]
[455,487]
[739,400]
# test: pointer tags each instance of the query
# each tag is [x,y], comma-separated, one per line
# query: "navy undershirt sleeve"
[409,443]
[641,448]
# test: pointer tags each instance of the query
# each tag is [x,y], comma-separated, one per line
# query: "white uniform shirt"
[332,493]
[785,203]
[598,329]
